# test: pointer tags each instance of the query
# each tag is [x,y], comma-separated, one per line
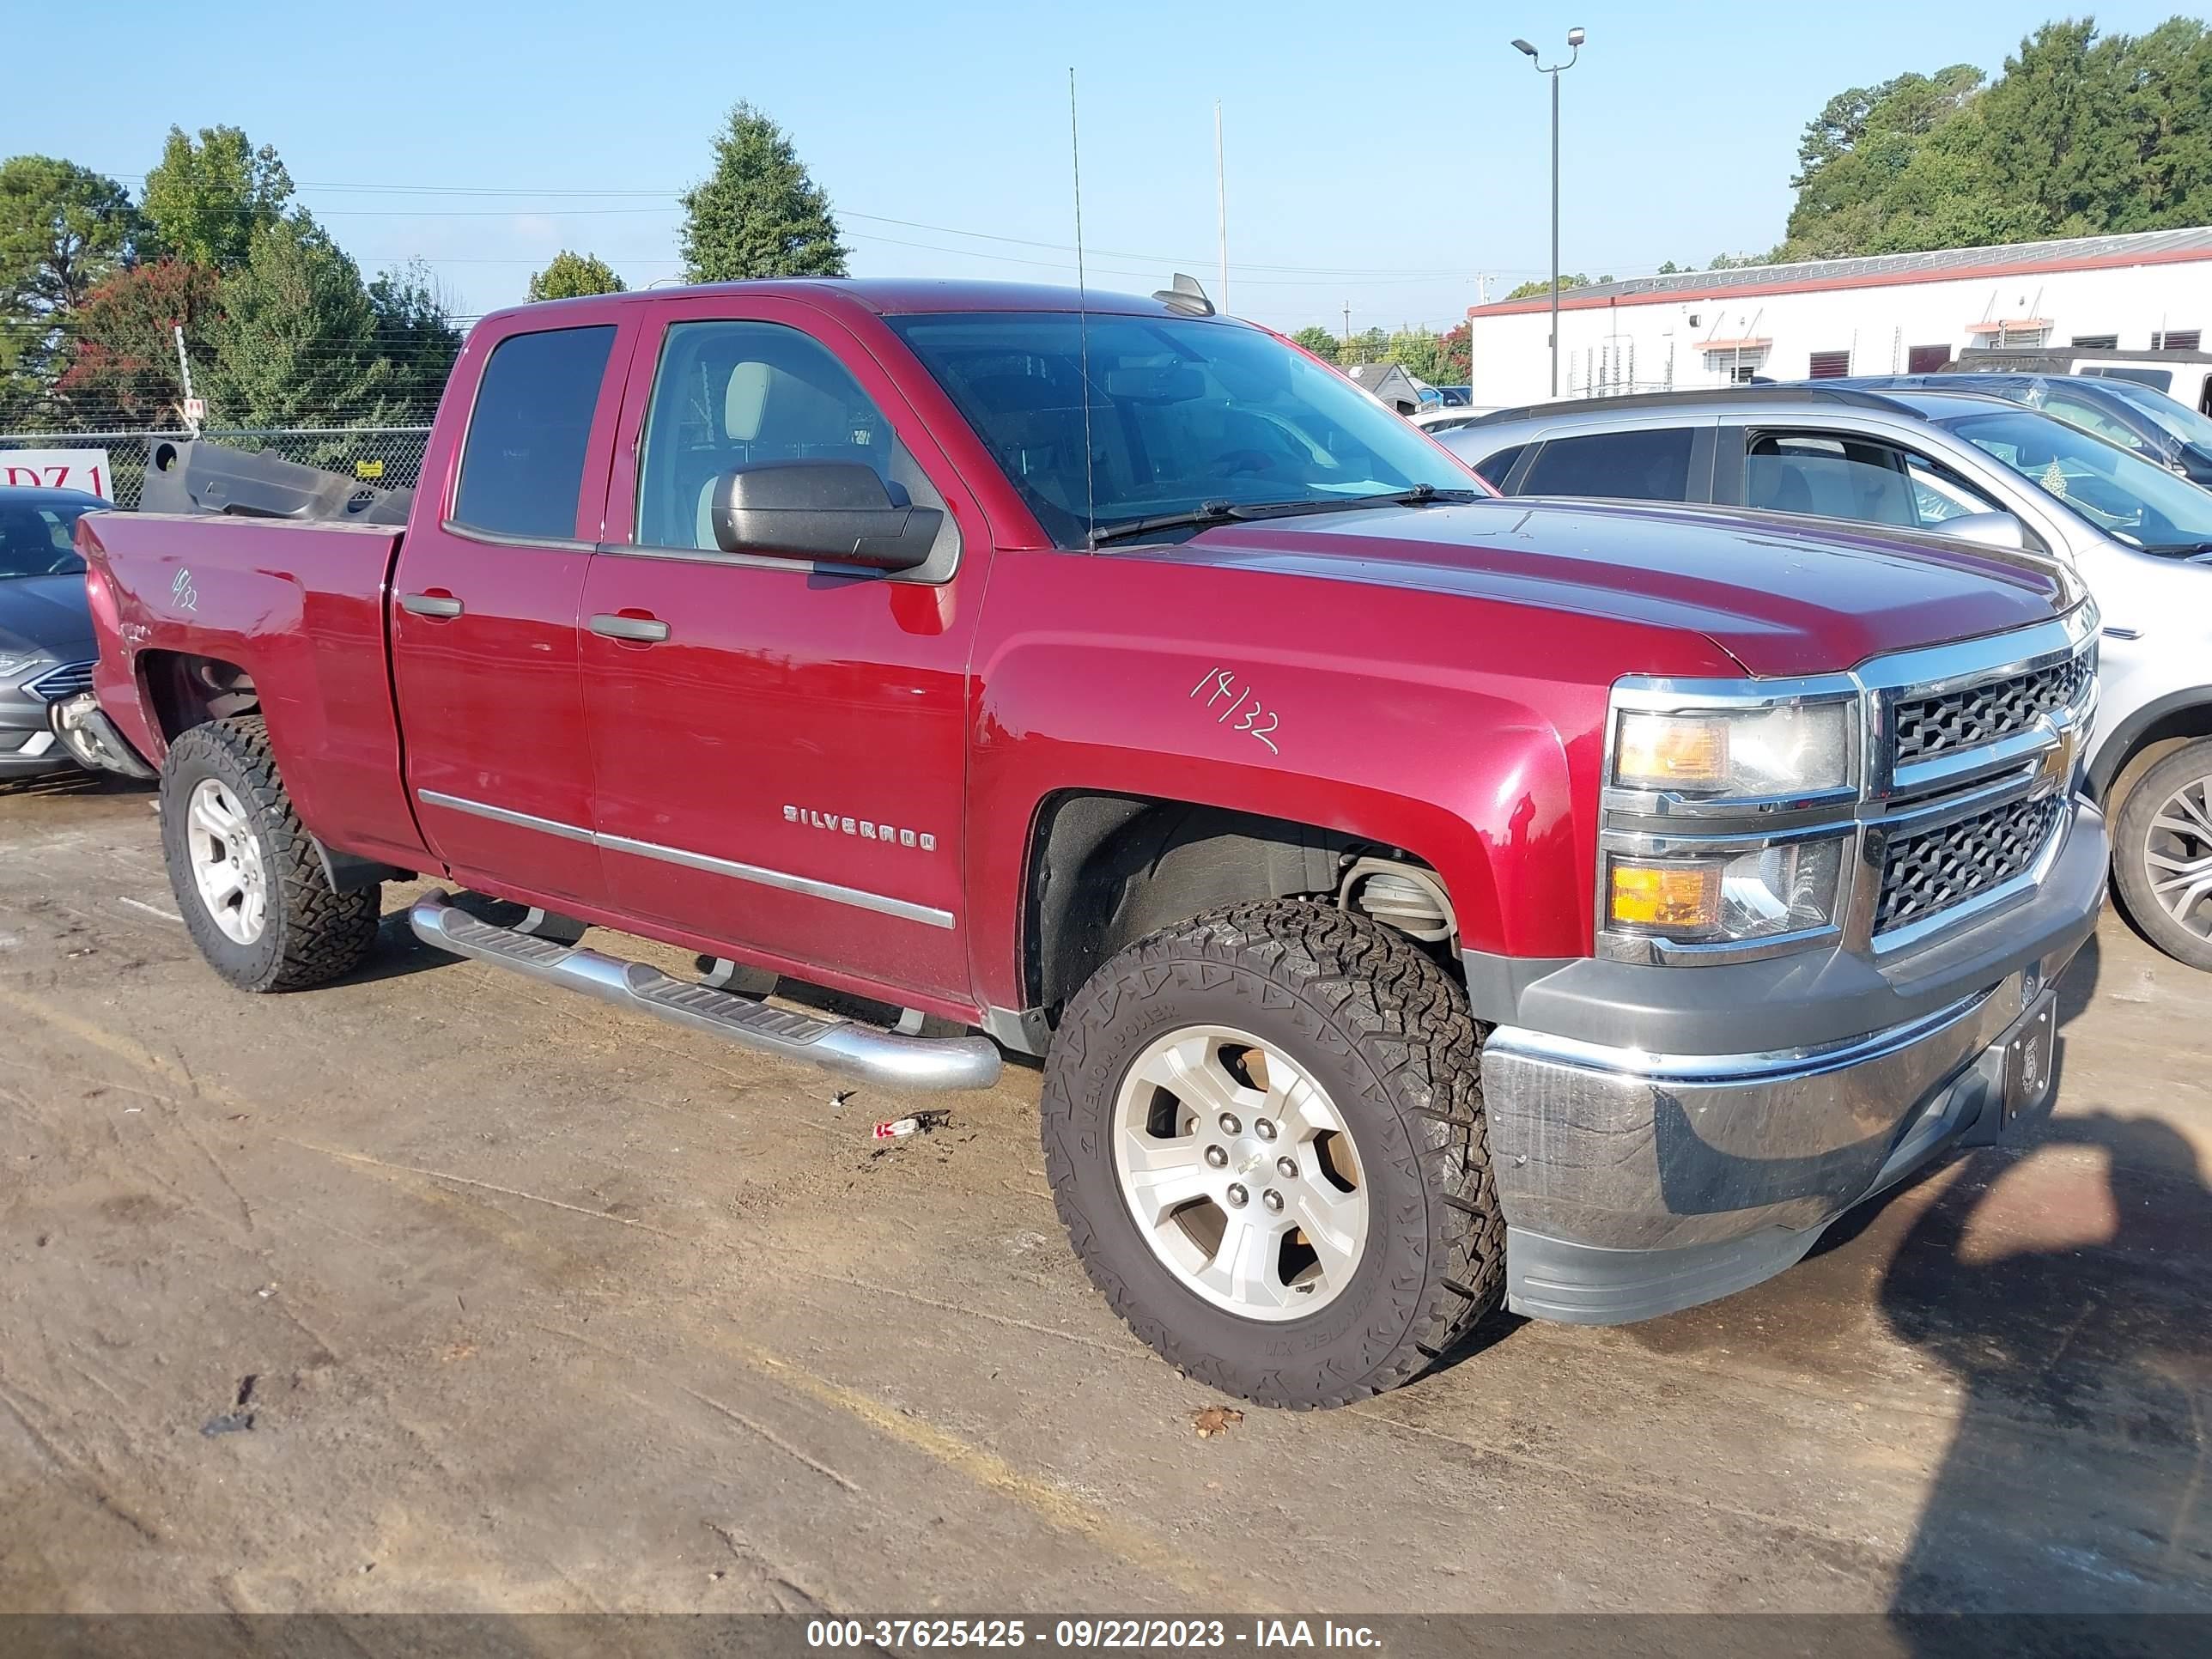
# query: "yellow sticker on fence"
[369,469]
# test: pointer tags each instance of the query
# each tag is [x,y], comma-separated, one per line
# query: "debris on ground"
[229,1423]
[924,1122]
[838,1098]
[1215,1419]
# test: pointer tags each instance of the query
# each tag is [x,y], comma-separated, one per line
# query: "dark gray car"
[47,649]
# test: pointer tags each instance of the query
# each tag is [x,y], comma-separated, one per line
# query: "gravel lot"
[536,1306]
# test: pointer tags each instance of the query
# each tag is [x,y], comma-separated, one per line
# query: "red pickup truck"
[1420,901]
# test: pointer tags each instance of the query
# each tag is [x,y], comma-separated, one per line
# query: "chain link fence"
[389,457]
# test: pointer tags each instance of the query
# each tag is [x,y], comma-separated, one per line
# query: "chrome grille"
[1985,714]
[1925,874]
[64,682]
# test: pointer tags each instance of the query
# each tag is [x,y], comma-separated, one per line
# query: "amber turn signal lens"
[1664,752]
[1675,896]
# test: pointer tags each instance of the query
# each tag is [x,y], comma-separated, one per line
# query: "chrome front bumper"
[1639,1179]
[84,731]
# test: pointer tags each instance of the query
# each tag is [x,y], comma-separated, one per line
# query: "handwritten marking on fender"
[1257,722]
[182,591]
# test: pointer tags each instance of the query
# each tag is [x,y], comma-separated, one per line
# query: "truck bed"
[301,607]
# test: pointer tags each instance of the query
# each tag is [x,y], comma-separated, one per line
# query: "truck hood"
[48,613]
[1780,596]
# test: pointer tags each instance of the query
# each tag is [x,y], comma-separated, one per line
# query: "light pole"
[1574,38]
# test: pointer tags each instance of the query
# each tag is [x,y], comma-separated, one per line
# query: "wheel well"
[184,690]
[2159,737]
[1105,870]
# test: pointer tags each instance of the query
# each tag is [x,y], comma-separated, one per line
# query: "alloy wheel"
[2178,856]
[1241,1173]
[227,868]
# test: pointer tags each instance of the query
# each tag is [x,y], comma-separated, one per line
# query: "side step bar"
[841,1045]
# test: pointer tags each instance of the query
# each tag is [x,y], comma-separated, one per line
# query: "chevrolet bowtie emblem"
[2054,772]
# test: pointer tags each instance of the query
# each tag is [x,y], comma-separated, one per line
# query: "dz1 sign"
[58,469]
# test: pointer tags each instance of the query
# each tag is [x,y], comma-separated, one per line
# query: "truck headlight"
[1787,887]
[1780,749]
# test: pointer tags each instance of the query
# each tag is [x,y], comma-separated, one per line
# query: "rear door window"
[522,467]
[1650,465]
[1493,469]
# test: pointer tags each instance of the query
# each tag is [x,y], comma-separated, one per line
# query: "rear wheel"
[2163,859]
[248,877]
[1263,1129]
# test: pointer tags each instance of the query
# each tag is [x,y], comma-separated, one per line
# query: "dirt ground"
[436,1289]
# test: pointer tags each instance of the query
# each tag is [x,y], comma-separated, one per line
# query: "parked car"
[2138,417]
[1449,417]
[1418,900]
[1459,397]
[1967,465]
[46,646]
[2186,376]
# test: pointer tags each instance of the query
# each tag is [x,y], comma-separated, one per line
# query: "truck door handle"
[638,631]
[432,604]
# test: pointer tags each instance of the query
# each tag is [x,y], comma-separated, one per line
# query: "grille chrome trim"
[1891,802]
[1937,869]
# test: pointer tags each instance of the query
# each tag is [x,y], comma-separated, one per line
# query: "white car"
[1447,417]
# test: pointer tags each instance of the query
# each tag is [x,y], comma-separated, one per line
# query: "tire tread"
[1411,1024]
[322,934]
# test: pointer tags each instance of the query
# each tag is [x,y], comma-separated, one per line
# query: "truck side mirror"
[839,511]
[1990,529]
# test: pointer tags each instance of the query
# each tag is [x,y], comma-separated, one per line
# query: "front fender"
[1465,733]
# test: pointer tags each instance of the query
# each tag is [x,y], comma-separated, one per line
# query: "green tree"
[1372,347]
[1543,285]
[572,275]
[1419,352]
[122,359]
[63,229]
[298,340]
[1319,341]
[415,334]
[2081,134]
[759,213]
[206,200]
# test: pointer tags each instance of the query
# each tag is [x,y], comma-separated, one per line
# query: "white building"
[1894,313]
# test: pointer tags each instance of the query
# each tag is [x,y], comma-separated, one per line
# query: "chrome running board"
[841,1045]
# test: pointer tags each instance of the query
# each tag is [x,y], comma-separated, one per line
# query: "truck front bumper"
[1639,1178]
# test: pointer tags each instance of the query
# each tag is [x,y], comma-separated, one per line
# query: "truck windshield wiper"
[1214,512]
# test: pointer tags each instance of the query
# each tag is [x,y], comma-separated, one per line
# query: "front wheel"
[252,889]
[2162,853]
[1263,1129]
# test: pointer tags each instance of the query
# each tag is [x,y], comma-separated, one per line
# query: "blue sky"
[1382,156]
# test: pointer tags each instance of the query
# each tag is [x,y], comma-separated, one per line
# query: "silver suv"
[1956,464]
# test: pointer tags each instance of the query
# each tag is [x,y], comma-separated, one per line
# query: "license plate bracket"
[2031,1050]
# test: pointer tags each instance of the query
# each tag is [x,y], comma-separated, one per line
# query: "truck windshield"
[34,541]
[1185,414]
[2130,499]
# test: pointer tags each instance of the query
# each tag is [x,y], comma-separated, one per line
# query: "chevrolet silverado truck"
[1419,901]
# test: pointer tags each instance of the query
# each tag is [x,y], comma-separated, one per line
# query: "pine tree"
[758,214]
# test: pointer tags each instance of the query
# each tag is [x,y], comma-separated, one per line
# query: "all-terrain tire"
[2138,834]
[1389,1038]
[310,934]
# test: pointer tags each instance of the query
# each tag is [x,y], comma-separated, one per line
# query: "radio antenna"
[1082,321]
